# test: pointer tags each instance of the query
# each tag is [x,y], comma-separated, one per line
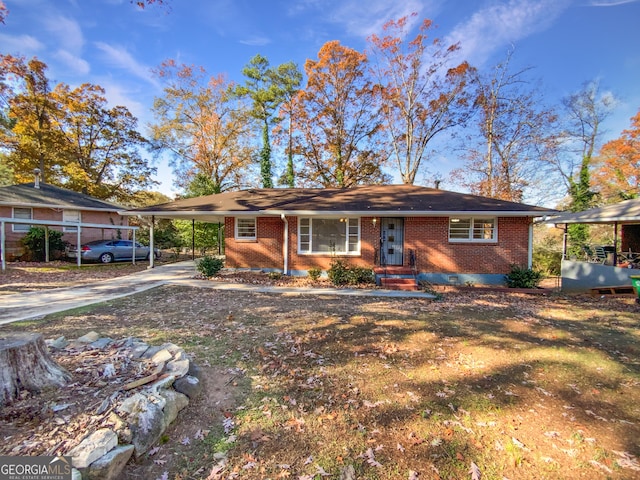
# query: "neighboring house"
[42,202]
[446,236]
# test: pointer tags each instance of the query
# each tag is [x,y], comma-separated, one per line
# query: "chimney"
[37,172]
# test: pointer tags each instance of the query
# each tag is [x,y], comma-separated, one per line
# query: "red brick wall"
[429,237]
[434,253]
[265,252]
[12,239]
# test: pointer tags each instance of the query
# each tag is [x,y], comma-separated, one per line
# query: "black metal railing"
[413,263]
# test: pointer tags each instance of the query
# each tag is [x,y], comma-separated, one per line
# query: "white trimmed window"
[245,228]
[22,214]
[329,235]
[71,216]
[472,229]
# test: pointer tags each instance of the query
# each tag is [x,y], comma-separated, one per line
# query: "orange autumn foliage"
[617,173]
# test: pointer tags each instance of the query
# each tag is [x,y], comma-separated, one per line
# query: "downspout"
[286,243]
[530,247]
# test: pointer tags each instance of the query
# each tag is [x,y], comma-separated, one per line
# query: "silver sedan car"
[107,251]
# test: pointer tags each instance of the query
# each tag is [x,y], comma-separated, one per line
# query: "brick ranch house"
[46,203]
[441,234]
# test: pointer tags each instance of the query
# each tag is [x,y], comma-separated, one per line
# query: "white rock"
[178,368]
[161,356]
[93,447]
[89,337]
[109,466]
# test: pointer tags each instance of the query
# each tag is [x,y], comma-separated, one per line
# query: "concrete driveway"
[24,306]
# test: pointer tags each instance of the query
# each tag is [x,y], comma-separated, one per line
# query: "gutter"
[407,213]
[57,206]
[188,213]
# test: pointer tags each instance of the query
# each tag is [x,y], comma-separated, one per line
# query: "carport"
[162,212]
[582,275]
[52,223]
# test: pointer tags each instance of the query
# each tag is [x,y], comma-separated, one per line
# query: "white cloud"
[67,32]
[256,41]
[500,24]
[21,44]
[121,58]
[75,63]
[363,19]
[117,94]
[610,3]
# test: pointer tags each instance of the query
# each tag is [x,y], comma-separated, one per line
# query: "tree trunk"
[25,363]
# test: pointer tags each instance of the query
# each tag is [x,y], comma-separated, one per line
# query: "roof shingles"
[363,199]
[26,194]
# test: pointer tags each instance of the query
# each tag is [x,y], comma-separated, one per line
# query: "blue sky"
[114,44]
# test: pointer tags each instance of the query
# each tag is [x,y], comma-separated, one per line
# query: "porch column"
[78,248]
[46,243]
[3,256]
[152,250]
[530,246]
[285,244]
[615,244]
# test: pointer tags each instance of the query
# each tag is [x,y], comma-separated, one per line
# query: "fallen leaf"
[475,472]
[320,471]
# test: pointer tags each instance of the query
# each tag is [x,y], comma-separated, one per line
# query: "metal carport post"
[48,223]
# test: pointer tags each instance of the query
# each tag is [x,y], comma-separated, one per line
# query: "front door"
[391,241]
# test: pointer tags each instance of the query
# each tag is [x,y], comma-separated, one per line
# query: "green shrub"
[521,277]
[210,266]
[547,261]
[34,242]
[274,275]
[340,274]
[358,275]
[314,273]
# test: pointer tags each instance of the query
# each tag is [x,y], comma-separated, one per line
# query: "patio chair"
[588,253]
[599,255]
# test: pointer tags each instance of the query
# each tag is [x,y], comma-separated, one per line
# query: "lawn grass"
[519,387]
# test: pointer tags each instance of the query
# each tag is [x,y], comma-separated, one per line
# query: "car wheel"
[106,258]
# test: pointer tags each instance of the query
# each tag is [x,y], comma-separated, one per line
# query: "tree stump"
[25,363]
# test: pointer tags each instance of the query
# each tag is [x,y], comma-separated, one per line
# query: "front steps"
[396,278]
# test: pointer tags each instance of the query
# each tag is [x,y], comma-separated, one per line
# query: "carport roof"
[627,211]
[45,195]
